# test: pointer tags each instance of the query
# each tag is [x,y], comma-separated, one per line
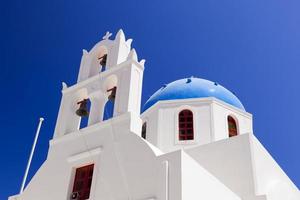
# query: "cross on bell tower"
[110,75]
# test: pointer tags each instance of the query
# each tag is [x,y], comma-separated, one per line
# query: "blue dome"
[193,88]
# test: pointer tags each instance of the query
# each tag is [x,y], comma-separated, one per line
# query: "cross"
[107,35]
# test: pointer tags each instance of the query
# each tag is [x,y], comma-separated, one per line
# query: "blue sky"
[250,47]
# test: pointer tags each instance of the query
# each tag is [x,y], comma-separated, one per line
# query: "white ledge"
[85,154]
[204,100]
[102,74]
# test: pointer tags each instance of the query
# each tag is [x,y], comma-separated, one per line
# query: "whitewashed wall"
[210,122]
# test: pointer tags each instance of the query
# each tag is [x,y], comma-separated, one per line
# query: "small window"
[144,129]
[83,181]
[232,127]
[186,125]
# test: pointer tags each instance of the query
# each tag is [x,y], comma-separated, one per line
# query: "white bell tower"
[109,73]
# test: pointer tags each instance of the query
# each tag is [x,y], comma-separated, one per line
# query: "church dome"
[193,88]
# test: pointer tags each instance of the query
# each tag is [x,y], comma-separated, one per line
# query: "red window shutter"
[83,181]
[232,127]
[186,125]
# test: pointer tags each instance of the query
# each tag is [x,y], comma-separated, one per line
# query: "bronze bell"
[82,111]
[112,95]
[103,60]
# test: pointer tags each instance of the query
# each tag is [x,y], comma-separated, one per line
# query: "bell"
[82,111]
[103,60]
[112,95]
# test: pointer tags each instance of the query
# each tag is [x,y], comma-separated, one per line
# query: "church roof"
[193,88]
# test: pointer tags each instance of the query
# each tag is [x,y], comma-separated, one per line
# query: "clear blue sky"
[250,47]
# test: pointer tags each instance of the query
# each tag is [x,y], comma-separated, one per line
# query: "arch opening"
[108,110]
[98,61]
[102,58]
[110,87]
[83,112]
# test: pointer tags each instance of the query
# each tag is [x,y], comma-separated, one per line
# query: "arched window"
[232,127]
[144,130]
[186,125]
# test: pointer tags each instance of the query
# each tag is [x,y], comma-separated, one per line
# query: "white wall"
[152,127]
[197,183]
[210,122]
[128,167]
[117,51]
[229,160]
[270,179]
[244,166]
[170,178]
[220,112]
[125,166]
[123,71]
[162,125]
[128,77]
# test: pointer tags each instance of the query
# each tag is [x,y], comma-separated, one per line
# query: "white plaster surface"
[127,167]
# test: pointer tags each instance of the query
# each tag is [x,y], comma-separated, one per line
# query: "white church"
[193,140]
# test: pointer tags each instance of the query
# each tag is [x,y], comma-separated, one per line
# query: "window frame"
[85,180]
[236,124]
[186,125]
[195,128]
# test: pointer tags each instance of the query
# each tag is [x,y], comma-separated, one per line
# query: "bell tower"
[109,83]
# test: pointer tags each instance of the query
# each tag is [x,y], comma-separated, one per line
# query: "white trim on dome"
[200,100]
